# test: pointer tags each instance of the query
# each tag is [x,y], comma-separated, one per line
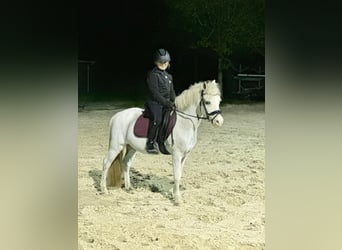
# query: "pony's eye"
[207,102]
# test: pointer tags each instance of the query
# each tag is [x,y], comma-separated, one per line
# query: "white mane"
[192,95]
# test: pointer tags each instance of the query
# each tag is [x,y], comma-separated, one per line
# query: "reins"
[198,117]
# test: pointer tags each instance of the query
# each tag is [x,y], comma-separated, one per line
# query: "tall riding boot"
[162,133]
[151,145]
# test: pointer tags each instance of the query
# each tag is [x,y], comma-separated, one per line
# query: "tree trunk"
[196,67]
[220,75]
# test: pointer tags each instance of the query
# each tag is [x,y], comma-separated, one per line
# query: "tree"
[221,25]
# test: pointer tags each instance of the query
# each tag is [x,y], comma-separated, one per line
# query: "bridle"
[208,116]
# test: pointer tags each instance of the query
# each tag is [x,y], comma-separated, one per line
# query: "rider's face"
[162,65]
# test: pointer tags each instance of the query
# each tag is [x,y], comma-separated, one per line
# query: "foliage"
[221,25]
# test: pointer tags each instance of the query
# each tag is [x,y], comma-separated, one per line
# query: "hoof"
[104,191]
[129,190]
[178,201]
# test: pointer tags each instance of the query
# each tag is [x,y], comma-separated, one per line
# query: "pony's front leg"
[178,161]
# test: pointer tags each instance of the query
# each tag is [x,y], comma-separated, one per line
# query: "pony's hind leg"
[107,162]
[127,162]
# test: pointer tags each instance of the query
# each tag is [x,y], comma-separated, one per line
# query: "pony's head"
[210,103]
[206,96]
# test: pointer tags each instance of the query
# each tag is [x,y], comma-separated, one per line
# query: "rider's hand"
[170,105]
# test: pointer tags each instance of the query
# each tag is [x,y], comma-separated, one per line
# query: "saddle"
[165,129]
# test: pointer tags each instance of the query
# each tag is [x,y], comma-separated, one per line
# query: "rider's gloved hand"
[170,105]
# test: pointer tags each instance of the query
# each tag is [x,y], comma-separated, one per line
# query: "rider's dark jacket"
[160,85]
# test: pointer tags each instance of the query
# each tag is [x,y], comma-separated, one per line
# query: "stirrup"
[152,148]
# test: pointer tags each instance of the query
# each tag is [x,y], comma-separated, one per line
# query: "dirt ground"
[223,188]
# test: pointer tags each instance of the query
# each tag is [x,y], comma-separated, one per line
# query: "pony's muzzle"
[218,121]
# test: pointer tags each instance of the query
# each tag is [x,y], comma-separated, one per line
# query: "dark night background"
[121,37]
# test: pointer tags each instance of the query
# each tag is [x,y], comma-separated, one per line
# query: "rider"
[161,96]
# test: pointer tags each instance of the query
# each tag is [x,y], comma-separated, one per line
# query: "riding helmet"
[161,55]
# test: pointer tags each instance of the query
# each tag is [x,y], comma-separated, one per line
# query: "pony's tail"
[114,177]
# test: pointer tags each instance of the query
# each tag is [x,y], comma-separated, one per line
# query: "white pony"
[200,101]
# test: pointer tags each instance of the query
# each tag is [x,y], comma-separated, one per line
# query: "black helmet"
[161,55]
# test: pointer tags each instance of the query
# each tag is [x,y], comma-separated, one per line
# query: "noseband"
[209,116]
